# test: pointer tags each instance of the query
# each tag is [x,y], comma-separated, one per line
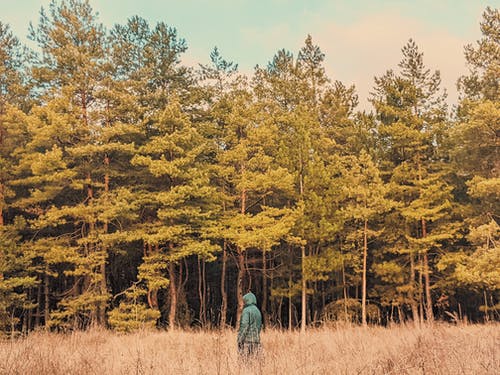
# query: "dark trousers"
[249,349]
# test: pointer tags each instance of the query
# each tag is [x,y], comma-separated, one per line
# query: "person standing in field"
[250,326]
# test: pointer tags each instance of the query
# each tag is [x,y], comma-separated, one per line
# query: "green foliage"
[479,269]
[483,60]
[320,266]
[15,279]
[348,310]
[476,158]
[132,314]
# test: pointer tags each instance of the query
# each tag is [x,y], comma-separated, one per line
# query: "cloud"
[359,45]
[358,51]
[263,43]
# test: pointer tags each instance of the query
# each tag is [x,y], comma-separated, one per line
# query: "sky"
[360,38]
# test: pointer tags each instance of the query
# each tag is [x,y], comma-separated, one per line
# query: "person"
[250,326]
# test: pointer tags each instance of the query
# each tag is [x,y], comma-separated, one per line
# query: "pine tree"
[299,94]
[219,79]
[68,75]
[411,110]
[366,200]
[16,280]
[254,219]
[12,91]
[476,158]
[179,201]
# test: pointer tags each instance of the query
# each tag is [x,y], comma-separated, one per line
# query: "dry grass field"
[441,349]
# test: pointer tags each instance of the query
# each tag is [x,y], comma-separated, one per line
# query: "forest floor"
[437,349]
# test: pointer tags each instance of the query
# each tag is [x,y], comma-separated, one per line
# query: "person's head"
[249,299]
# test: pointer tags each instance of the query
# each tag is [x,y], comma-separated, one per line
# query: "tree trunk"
[204,289]
[201,291]
[427,287]
[264,289]
[239,286]
[303,321]
[344,287]
[241,262]
[277,314]
[304,292]
[290,318]
[173,296]
[1,203]
[91,248]
[413,302]
[428,297]
[27,314]
[104,286]
[486,313]
[272,313]
[38,311]
[420,288]
[363,290]
[47,299]
[152,294]
[223,313]
[84,107]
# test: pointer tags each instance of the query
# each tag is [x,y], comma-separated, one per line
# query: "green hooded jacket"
[250,322]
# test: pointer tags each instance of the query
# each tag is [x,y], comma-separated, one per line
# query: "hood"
[249,299]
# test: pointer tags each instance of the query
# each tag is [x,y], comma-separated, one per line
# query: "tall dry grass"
[441,349]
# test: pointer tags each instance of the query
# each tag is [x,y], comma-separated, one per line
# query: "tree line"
[137,191]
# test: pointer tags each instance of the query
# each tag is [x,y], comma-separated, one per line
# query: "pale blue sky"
[361,38]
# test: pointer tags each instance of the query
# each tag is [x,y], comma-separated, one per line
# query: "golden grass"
[440,349]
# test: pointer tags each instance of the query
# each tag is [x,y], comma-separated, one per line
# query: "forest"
[137,191]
